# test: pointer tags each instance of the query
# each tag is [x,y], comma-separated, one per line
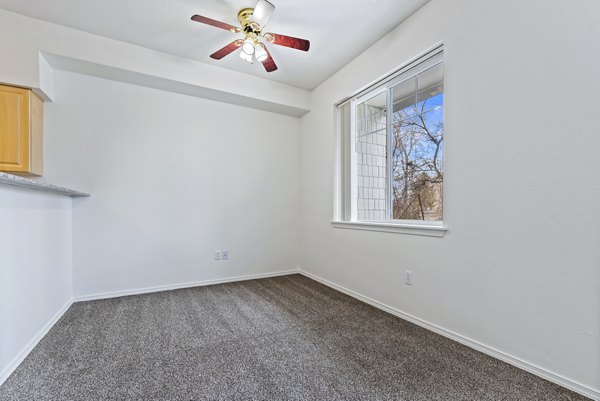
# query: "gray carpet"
[285,338]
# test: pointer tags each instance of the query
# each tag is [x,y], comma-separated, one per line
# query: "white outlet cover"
[225,255]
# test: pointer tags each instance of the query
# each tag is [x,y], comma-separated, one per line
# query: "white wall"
[35,267]
[519,269]
[173,178]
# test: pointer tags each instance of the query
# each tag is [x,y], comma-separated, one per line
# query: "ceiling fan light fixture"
[253,43]
[248,47]
[247,57]
[260,53]
[262,12]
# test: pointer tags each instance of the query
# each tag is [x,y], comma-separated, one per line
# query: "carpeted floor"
[285,338]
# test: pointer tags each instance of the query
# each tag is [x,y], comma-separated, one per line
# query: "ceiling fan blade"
[269,63]
[262,12]
[287,41]
[215,23]
[230,48]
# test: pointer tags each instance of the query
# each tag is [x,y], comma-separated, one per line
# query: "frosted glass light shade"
[260,52]
[262,12]
[248,46]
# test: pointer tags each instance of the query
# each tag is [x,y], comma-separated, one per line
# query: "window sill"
[430,230]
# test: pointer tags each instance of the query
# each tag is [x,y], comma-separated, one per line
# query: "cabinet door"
[14,129]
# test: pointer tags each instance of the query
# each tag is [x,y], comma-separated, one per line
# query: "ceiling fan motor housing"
[251,29]
[245,18]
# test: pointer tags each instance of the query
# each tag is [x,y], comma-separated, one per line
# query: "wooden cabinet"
[21,119]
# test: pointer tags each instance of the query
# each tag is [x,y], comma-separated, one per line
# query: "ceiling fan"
[252,22]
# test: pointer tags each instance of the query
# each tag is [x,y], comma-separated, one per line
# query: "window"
[391,152]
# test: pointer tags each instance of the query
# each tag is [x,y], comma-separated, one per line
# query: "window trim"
[429,230]
[410,64]
[420,63]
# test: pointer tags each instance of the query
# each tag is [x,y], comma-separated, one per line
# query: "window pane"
[417,148]
[404,96]
[430,83]
[371,122]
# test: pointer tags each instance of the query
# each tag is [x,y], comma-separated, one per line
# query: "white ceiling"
[338,30]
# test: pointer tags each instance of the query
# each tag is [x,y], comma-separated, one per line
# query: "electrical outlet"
[217,255]
[408,277]
[225,255]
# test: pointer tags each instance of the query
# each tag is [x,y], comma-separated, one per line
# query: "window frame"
[344,218]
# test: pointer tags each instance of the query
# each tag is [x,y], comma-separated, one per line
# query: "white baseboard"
[169,287]
[529,367]
[16,361]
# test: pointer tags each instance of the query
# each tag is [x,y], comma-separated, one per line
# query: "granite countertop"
[24,182]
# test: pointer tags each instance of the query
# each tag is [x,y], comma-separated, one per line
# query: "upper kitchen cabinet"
[21,121]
